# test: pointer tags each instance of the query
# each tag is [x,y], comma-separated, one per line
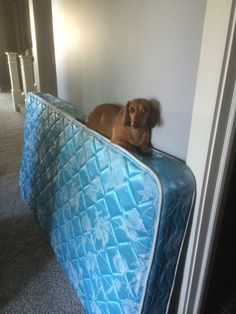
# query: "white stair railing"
[17,96]
[26,74]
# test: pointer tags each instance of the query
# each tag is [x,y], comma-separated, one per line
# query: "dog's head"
[140,113]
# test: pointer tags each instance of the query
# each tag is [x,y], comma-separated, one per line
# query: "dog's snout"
[135,125]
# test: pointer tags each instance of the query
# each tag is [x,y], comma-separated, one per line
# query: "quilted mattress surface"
[116,221]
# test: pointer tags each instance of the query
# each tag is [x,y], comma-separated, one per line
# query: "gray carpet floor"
[31,280]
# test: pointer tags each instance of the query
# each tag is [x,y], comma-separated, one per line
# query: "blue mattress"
[116,221]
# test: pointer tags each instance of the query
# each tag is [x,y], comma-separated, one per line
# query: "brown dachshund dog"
[128,126]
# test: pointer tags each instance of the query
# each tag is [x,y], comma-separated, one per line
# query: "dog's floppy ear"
[125,115]
[154,116]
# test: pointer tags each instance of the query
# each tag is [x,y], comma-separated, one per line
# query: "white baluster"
[27,73]
[16,92]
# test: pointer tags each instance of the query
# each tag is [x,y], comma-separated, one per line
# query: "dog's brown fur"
[128,126]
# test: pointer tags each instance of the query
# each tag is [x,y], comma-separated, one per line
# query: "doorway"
[220,294]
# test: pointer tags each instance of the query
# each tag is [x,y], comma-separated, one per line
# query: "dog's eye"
[144,110]
[131,109]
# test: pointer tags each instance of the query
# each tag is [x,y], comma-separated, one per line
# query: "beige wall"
[14,34]
[7,42]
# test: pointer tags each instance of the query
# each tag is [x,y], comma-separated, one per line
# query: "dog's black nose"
[135,125]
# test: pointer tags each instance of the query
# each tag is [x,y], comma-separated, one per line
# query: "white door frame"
[210,143]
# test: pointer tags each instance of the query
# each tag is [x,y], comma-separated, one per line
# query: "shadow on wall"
[157,105]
